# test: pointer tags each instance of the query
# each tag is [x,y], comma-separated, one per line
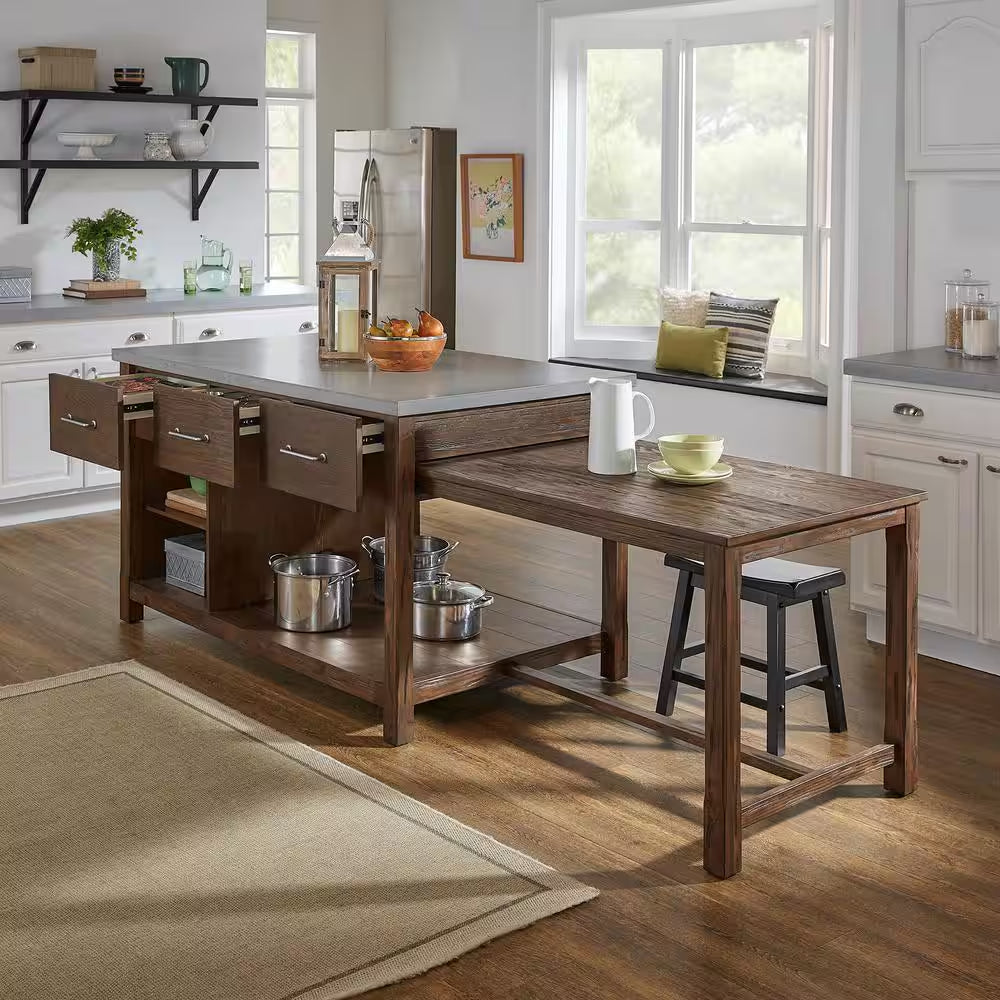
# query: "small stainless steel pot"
[430,555]
[313,593]
[448,611]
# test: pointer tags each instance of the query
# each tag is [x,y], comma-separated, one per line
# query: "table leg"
[723,844]
[614,611]
[397,711]
[902,545]
[130,525]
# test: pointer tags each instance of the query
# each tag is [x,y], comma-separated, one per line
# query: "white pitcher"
[612,426]
[191,138]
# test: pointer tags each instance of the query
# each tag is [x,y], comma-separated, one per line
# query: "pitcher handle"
[652,414]
[204,83]
[207,130]
[227,259]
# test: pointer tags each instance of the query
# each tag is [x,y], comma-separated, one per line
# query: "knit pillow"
[750,322]
[683,308]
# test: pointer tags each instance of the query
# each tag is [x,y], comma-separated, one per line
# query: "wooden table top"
[759,502]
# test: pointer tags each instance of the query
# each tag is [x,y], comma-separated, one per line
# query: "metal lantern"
[348,292]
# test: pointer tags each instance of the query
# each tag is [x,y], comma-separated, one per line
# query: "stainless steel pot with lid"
[430,554]
[313,593]
[447,610]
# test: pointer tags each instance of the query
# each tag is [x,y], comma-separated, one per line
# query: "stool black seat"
[776,584]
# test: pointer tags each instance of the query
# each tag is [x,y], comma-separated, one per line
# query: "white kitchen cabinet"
[97,475]
[952,78]
[27,466]
[246,325]
[989,532]
[949,551]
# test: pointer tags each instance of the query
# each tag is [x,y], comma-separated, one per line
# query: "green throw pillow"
[692,349]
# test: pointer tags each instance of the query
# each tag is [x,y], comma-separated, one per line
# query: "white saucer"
[670,475]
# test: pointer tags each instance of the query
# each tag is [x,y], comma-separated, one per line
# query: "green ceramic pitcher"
[187,74]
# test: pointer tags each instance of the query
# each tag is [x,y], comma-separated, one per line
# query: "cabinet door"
[98,475]
[27,466]
[948,584]
[989,537]
[952,77]
[247,325]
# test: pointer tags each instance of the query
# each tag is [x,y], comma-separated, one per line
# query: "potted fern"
[106,239]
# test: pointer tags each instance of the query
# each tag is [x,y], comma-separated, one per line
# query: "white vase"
[191,138]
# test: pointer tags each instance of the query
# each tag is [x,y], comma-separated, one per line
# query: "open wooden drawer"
[87,419]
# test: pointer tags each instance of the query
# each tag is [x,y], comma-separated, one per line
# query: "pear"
[400,328]
[429,325]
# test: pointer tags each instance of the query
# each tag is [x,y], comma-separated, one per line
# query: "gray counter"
[158,302]
[289,367]
[928,366]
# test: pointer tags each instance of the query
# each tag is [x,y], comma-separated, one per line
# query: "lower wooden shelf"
[178,516]
[352,660]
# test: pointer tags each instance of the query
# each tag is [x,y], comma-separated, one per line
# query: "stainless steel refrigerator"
[404,183]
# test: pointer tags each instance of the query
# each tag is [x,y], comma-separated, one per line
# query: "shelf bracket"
[198,193]
[29,190]
[29,124]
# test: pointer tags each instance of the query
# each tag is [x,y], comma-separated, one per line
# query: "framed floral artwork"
[493,206]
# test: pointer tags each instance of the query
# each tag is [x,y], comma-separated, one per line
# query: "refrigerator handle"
[363,197]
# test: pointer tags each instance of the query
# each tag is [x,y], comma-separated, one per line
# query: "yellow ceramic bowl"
[692,454]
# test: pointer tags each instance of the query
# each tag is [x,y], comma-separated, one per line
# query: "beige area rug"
[155,844]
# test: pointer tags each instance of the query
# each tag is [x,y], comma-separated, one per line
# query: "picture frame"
[493,207]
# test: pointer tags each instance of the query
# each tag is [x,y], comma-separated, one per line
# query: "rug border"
[561,892]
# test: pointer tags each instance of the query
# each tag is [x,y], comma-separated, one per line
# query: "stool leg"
[673,657]
[826,641]
[775,677]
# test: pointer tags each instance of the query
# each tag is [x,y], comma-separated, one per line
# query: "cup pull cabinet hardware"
[308,327]
[292,453]
[210,333]
[907,410]
[995,469]
[181,436]
[25,345]
[944,460]
[137,338]
[87,425]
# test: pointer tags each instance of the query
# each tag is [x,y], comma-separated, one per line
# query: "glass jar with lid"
[981,329]
[958,293]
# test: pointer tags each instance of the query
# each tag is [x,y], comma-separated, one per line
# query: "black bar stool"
[777,584]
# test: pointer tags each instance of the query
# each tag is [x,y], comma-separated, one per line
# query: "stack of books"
[123,288]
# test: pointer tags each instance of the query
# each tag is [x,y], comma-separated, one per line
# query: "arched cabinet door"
[952,79]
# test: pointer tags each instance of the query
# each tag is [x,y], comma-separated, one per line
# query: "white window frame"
[676,36]
[303,98]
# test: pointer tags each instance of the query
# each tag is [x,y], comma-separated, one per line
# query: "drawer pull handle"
[25,345]
[292,453]
[907,410]
[994,469]
[93,373]
[87,425]
[197,438]
[209,333]
[307,327]
[138,338]
[952,461]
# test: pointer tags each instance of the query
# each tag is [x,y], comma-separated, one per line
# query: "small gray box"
[15,284]
[186,562]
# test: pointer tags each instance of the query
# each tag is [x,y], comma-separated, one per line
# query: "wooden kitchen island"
[338,451]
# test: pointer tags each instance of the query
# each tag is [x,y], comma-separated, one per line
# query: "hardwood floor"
[862,896]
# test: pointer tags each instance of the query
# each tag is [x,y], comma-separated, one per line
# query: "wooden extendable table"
[763,510]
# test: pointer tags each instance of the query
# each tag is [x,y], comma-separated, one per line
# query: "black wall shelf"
[30,118]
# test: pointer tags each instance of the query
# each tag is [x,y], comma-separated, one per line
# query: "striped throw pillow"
[749,322]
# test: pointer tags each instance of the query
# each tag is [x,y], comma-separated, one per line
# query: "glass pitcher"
[216,267]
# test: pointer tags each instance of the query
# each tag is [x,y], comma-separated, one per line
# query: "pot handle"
[366,544]
[484,602]
[451,548]
[340,579]
[276,558]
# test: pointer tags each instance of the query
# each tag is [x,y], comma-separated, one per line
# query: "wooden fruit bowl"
[405,354]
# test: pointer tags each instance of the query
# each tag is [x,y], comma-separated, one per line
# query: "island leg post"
[130,524]
[400,455]
[902,544]
[614,610]
[723,845]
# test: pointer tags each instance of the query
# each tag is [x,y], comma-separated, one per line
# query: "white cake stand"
[86,142]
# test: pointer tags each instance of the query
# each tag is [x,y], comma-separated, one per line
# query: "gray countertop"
[289,367]
[158,302]
[928,366]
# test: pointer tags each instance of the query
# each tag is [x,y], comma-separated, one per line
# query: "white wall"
[230,35]
[350,78]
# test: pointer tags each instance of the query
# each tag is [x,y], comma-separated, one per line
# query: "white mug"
[612,426]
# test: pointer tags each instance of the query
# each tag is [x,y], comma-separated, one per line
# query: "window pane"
[283,61]
[624,129]
[623,275]
[283,256]
[751,133]
[753,266]
[283,213]
[283,169]
[283,124]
